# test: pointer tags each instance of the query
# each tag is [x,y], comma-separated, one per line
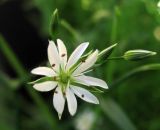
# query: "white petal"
[81,81]
[45,86]
[58,101]
[85,94]
[89,62]
[53,56]
[43,71]
[62,51]
[76,54]
[91,81]
[72,101]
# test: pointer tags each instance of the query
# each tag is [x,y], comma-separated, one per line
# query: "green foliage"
[116,114]
[132,102]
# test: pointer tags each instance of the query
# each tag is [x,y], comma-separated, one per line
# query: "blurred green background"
[131,103]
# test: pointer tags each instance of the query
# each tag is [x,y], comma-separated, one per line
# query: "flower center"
[64,78]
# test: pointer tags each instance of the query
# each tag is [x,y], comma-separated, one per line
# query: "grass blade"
[116,114]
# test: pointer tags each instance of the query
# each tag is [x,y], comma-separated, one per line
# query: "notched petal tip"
[51,42]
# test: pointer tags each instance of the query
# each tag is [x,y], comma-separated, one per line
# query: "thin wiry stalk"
[155,66]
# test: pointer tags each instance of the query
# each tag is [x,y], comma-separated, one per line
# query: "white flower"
[66,75]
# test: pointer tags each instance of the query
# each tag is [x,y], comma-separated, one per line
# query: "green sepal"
[82,58]
[106,52]
[94,89]
[86,55]
[43,79]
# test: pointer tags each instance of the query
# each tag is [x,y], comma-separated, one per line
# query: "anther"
[82,95]
[63,55]
[64,93]
[54,78]
[83,61]
[53,65]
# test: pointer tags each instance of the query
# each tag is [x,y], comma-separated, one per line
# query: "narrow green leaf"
[75,34]
[114,28]
[113,111]
[54,24]
[148,67]
[154,66]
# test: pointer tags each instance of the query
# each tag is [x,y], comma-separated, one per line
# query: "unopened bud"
[138,54]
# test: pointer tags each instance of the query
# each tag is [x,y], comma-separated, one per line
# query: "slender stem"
[114,28]
[113,38]
[116,58]
[143,68]
[124,77]
[71,30]
[112,58]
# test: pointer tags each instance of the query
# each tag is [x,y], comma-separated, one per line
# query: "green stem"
[114,25]
[105,61]
[116,58]
[71,30]
[113,38]
[124,77]
[149,67]
[21,72]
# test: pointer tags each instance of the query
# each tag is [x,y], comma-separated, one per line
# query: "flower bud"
[54,24]
[137,54]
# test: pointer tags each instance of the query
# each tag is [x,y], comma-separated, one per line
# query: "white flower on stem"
[66,75]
